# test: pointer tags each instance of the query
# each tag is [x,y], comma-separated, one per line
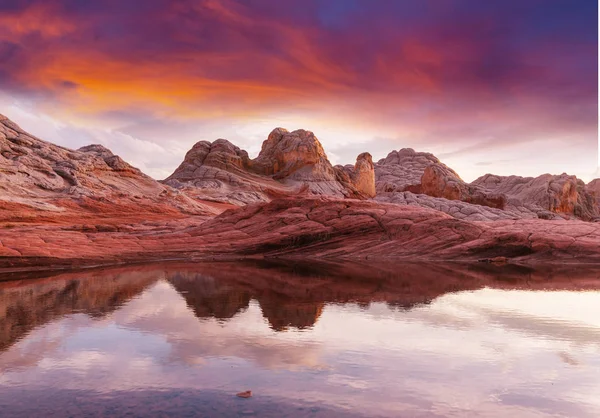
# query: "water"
[309,340]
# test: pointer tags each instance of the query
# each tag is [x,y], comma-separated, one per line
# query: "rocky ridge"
[63,208]
[39,179]
[563,194]
[417,178]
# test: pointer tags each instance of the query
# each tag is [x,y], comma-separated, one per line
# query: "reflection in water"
[318,339]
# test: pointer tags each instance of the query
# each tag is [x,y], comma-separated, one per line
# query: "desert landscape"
[62,208]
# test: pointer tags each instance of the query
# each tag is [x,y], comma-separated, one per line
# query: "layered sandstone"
[562,194]
[289,164]
[422,173]
[593,187]
[312,227]
[40,180]
[220,171]
[65,208]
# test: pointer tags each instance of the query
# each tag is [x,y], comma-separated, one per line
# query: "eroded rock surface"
[65,208]
[562,194]
[40,179]
[594,188]
[422,173]
[289,164]
[220,171]
[313,227]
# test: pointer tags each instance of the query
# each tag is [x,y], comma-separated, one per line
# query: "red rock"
[65,208]
[245,394]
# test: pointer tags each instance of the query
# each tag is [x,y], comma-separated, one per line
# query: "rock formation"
[593,188]
[312,227]
[40,179]
[289,163]
[422,173]
[66,208]
[359,177]
[402,171]
[563,194]
[220,171]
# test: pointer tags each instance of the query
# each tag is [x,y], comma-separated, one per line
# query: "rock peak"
[97,149]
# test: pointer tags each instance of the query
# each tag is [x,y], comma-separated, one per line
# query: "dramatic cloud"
[460,78]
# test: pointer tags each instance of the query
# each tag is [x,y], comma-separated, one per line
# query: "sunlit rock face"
[220,171]
[360,176]
[402,171]
[561,194]
[90,207]
[298,158]
[289,163]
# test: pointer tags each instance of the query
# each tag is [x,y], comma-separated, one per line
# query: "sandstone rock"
[593,188]
[314,228]
[40,177]
[440,181]
[456,208]
[402,171]
[297,158]
[562,194]
[362,175]
[422,173]
[289,164]
[65,208]
[219,171]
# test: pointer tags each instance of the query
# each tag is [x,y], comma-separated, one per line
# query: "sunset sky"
[501,86]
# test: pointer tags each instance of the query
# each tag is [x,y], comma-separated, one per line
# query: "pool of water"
[308,339]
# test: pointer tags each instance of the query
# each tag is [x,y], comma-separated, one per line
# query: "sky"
[504,87]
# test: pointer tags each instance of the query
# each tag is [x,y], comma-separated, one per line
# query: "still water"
[309,340]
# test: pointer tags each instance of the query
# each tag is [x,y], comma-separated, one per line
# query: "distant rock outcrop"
[422,173]
[360,177]
[289,163]
[562,194]
[402,171]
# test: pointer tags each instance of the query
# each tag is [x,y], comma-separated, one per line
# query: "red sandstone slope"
[313,227]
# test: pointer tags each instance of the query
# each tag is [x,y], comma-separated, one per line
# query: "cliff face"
[416,178]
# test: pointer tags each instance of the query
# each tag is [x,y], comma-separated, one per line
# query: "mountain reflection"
[290,294]
[28,304]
